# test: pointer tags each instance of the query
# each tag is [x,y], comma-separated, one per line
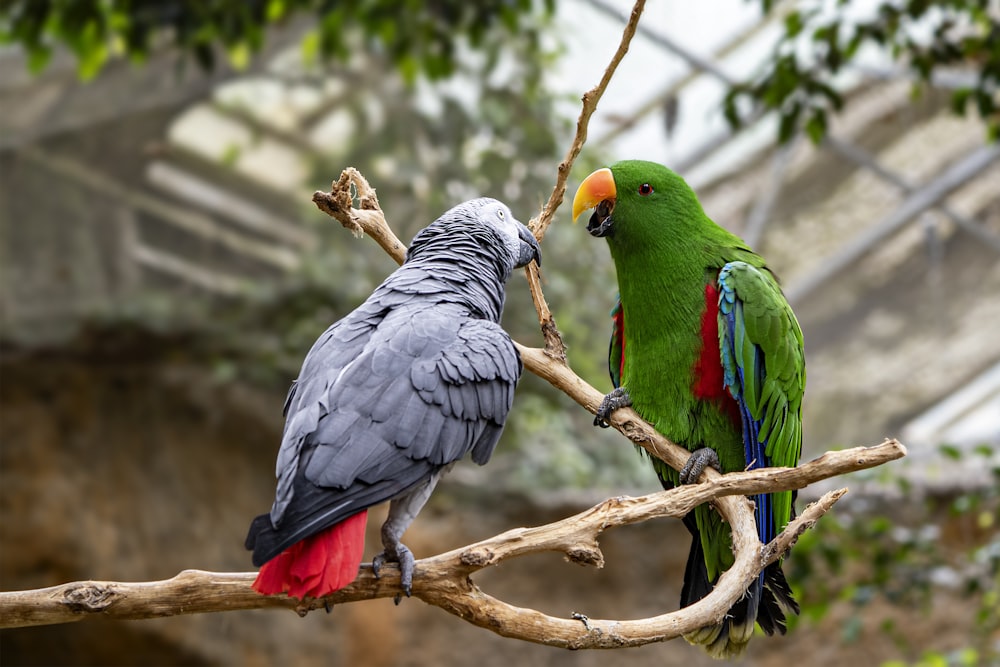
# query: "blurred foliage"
[436,103]
[924,35]
[490,129]
[908,549]
[417,37]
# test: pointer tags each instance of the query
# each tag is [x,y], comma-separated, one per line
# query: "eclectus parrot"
[705,347]
[389,397]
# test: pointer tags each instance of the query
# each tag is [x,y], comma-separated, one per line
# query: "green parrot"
[705,347]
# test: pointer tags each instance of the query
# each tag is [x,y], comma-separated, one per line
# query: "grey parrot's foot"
[619,398]
[696,464]
[404,557]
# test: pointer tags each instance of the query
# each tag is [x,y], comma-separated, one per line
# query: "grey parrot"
[389,398]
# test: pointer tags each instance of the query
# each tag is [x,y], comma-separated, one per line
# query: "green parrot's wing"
[764,370]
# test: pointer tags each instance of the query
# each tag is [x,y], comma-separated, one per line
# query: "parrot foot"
[619,398]
[404,557]
[696,464]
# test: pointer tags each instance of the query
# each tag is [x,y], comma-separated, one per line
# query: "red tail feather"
[319,564]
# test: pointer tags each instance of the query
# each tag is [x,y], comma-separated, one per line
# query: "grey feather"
[416,377]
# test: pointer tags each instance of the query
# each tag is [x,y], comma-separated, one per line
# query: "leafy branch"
[925,37]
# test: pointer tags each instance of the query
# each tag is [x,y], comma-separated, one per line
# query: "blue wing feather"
[763,401]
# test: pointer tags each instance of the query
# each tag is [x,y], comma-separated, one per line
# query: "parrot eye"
[500,214]
[645,189]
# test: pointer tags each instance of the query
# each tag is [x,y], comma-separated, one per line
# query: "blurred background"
[163,273]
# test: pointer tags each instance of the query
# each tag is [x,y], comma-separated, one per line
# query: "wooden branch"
[368,219]
[443,580]
[554,346]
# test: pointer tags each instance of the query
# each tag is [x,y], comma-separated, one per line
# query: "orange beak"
[595,188]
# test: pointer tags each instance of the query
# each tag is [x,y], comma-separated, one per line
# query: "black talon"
[619,398]
[696,464]
[405,560]
[404,557]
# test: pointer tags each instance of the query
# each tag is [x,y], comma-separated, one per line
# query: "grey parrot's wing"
[430,385]
[337,347]
[471,382]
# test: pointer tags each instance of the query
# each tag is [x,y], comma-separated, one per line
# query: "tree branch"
[554,346]
[369,219]
[590,100]
[443,580]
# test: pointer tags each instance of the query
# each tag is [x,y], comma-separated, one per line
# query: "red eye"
[645,189]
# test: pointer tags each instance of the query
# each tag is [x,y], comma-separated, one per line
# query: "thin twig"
[590,99]
[554,346]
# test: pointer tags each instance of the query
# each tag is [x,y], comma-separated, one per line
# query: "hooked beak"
[529,248]
[597,190]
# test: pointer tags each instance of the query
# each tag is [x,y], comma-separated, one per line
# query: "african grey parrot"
[389,398]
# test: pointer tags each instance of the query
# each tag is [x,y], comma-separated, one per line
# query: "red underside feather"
[619,323]
[318,565]
[709,382]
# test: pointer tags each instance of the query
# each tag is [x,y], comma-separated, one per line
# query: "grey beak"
[529,248]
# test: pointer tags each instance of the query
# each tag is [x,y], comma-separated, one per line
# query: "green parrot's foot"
[619,398]
[696,464]
[404,557]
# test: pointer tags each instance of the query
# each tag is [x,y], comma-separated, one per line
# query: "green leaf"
[793,24]
[816,126]
[959,100]
[239,56]
[789,122]
[309,47]
[983,450]
[275,10]
[985,103]
[950,451]
[38,58]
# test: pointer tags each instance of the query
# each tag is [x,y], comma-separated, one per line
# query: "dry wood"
[443,580]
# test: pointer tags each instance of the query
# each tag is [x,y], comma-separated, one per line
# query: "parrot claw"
[404,557]
[696,464]
[619,398]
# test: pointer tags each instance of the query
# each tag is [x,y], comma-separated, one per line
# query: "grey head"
[490,226]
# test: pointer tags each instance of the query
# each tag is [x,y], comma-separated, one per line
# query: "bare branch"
[554,346]
[443,580]
[369,219]
[779,546]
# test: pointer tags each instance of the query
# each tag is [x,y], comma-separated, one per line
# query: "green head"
[639,203]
